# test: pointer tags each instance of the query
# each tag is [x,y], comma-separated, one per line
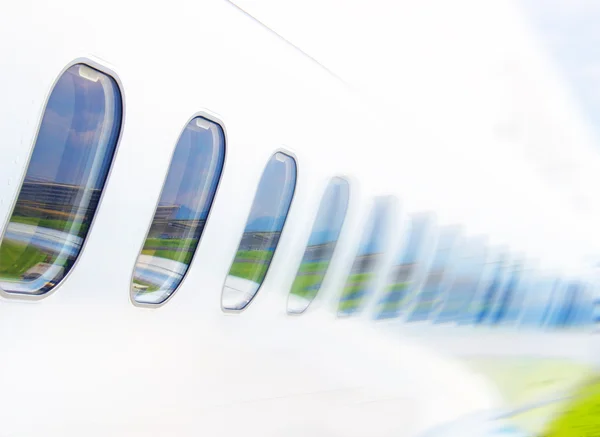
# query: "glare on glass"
[181,213]
[506,311]
[361,280]
[400,281]
[465,283]
[429,296]
[321,245]
[261,235]
[63,183]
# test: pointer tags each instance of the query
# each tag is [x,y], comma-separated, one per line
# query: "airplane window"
[487,303]
[321,245]
[509,303]
[63,183]
[429,297]
[468,273]
[539,301]
[401,280]
[181,213]
[263,228]
[361,280]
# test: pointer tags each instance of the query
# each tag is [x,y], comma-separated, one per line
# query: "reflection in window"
[362,276]
[67,171]
[507,310]
[436,281]
[404,273]
[486,305]
[467,277]
[321,245]
[180,216]
[263,228]
[539,301]
[566,308]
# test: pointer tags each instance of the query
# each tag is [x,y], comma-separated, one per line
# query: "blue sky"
[68,134]
[273,195]
[194,172]
[332,210]
[374,235]
[419,227]
[570,31]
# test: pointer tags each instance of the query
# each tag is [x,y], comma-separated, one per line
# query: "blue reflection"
[468,272]
[492,290]
[409,260]
[321,245]
[362,275]
[67,171]
[428,298]
[262,232]
[181,214]
[539,301]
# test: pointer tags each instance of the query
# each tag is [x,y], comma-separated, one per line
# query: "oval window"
[181,213]
[468,271]
[361,280]
[261,235]
[429,297]
[67,172]
[408,267]
[321,245]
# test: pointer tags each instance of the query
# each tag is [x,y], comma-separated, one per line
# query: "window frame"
[286,151]
[212,117]
[110,72]
[328,274]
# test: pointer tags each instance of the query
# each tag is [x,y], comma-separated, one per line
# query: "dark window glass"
[263,228]
[67,172]
[321,245]
[361,280]
[180,216]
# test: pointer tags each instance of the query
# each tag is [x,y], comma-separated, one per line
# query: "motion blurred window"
[468,271]
[361,280]
[185,201]
[401,280]
[261,235]
[321,245]
[67,171]
[429,298]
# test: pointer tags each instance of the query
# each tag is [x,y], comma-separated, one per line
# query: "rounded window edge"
[111,73]
[318,296]
[218,121]
[293,156]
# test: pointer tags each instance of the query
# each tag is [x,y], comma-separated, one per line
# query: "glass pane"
[180,216]
[362,276]
[492,290]
[429,296]
[401,280]
[67,171]
[538,302]
[467,277]
[507,310]
[261,235]
[321,245]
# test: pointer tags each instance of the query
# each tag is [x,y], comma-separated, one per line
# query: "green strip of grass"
[303,285]
[252,271]
[16,258]
[581,416]
[56,224]
[175,255]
